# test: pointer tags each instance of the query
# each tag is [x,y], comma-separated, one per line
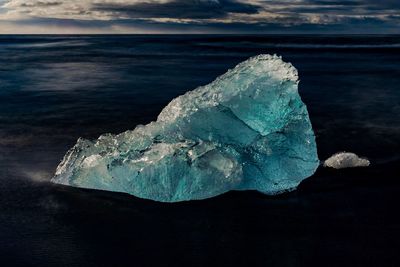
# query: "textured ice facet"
[247,130]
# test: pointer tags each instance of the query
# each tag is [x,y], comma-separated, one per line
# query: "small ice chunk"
[346,160]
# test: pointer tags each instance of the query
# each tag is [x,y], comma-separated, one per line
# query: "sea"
[57,88]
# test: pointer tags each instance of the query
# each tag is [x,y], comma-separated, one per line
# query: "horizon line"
[258,34]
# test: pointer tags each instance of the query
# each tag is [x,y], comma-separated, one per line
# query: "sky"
[199,16]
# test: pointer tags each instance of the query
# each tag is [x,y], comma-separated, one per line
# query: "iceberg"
[343,160]
[247,130]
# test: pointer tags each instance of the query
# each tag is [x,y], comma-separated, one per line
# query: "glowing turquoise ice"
[247,130]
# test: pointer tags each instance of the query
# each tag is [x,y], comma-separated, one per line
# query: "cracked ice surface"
[247,130]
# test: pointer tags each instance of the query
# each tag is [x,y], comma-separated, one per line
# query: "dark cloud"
[350,7]
[339,3]
[41,4]
[180,9]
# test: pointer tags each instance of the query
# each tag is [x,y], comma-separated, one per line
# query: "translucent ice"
[346,160]
[247,130]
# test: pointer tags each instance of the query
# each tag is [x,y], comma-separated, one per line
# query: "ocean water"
[54,89]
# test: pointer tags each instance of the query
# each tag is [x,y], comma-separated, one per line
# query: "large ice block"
[247,130]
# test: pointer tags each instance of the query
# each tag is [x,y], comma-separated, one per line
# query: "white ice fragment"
[346,160]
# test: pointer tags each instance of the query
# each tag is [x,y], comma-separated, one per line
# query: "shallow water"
[54,89]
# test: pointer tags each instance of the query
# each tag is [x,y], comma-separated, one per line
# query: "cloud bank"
[204,15]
